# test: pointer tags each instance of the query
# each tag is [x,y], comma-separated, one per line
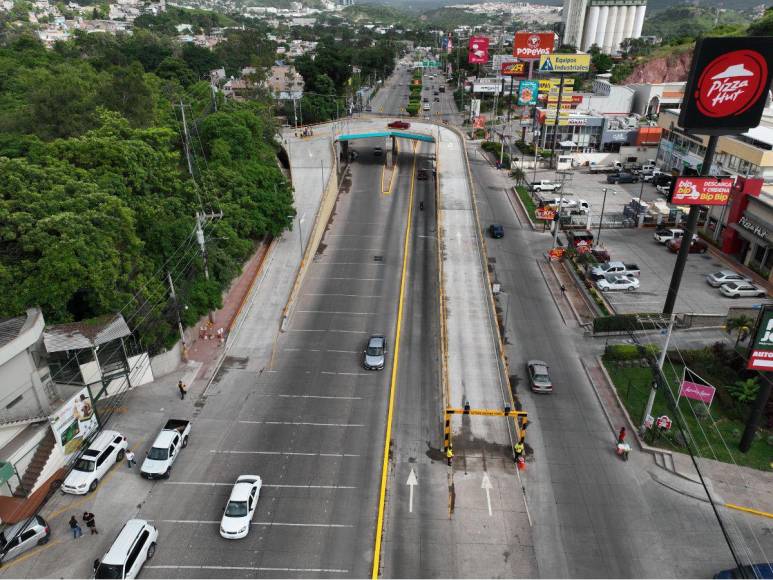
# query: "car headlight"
[81,486]
[242,529]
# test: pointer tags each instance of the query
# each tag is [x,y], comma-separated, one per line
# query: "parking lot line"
[299,453]
[302,423]
[267,524]
[247,568]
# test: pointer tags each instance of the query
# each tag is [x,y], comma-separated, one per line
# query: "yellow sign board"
[564,63]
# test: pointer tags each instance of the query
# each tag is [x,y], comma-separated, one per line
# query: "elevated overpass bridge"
[394,134]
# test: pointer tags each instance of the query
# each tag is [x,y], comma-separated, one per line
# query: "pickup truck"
[545,185]
[606,168]
[615,268]
[165,449]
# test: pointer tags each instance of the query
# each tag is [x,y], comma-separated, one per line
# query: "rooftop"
[85,334]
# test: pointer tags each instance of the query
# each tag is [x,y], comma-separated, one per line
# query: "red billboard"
[532,45]
[477,50]
[513,69]
[727,86]
[701,190]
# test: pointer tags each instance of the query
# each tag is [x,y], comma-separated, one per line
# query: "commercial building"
[605,23]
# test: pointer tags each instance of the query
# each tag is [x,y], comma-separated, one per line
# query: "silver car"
[723,277]
[374,355]
[18,538]
[539,376]
[742,289]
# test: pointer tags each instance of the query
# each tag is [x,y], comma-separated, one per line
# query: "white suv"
[107,449]
[134,545]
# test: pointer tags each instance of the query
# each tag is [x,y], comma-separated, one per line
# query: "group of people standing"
[88,519]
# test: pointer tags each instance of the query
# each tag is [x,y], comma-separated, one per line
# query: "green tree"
[763,26]
[200,60]
[128,93]
[601,62]
[744,391]
[741,325]
[174,68]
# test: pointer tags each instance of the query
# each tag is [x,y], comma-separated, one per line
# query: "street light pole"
[601,219]
[653,390]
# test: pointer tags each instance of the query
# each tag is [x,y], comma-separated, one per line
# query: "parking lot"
[657,264]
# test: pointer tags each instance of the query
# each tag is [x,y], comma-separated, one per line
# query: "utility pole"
[661,361]
[558,116]
[177,312]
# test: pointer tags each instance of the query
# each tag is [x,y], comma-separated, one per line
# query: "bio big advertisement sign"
[527,93]
[701,191]
[761,356]
[530,45]
[477,51]
[727,86]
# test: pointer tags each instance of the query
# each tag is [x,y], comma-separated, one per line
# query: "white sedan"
[618,283]
[742,289]
[241,507]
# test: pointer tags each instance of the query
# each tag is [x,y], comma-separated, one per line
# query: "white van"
[107,449]
[135,543]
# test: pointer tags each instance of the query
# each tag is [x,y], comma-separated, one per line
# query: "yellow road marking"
[749,510]
[393,381]
[80,501]
[28,555]
[394,172]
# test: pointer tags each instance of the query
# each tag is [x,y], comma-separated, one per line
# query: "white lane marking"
[327,330]
[302,423]
[347,351]
[337,312]
[353,236]
[345,278]
[352,263]
[279,485]
[288,524]
[333,397]
[247,568]
[486,484]
[344,295]
[293,453]
[411,483]
[346,374]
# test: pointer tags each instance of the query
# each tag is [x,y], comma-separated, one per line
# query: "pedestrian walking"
[181,386]
[90,522]
[77,532]
[449,455]
[221,335]
[621,436]
[130,458]
[563,290]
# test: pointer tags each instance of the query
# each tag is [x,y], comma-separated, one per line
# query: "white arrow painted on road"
[412,482]
[486,484]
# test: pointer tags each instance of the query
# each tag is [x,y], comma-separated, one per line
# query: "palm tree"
[518,175]
[742,325]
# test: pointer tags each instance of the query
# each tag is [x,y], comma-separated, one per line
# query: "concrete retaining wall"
[165,363]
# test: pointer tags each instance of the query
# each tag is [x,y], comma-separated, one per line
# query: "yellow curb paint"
[393,382]
[749,510]
[28,555]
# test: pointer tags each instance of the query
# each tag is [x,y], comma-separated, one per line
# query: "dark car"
[374,355]
[421,175]
[753,571]
[696,247]
[496,231]
[663,180]
[622,177]
[399,125]
[437,99]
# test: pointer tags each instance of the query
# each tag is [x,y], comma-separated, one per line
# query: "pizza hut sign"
[727,86]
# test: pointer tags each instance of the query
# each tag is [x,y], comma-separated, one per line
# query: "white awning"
[568,144]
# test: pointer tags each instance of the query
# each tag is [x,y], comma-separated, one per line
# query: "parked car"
[723,277]
[426,107]
[742,290]
[374,355]
[662,179]
[663,235]
[240,508]
[399,125]
[437,99]
[617,283]
[622,177]
[539,376]
[652,176]
[616,268]
[132,547]
[421,175]
[564,202]
[107,449]
[545,185]
[18,538]
[166,448]
[696,246]
[496,231]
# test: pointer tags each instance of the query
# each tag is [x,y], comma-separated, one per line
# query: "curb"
[571,305]
[539,260]
[520,203]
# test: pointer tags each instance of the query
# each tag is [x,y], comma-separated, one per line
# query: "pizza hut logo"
[731,83]
[533,41]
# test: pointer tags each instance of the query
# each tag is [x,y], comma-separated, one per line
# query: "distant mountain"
[679,21]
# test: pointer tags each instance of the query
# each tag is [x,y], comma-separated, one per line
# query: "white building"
[605,23]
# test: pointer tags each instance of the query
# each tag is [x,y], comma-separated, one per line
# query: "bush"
[412,109]
[622,323]
[629,351]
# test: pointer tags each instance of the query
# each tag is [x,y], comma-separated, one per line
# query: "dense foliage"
[96,202]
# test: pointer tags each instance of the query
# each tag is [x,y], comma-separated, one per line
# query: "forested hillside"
[96,202]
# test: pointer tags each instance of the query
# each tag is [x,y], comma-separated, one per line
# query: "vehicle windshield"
[86,465]
[236,509]
[158,453]
[3,541]
[374,351]
[109,571]
[540,378]
[732,285]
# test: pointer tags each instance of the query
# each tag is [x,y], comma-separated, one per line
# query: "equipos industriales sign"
[532,45]
[727,85]
[564,63]
[701,191]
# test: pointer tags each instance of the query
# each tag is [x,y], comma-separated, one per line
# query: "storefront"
[755,244]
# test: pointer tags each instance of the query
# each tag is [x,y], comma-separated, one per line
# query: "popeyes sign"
[727,86]
[701,190]
[531,45]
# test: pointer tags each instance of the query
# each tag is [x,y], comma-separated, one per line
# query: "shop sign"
[752,227]
[564,63]
[477,50]
[73,423]
[545,213]
[556,254]
[513,69]
[527,93]
[531,45]
[727,85]
[701,191]
[761,356]
[697,392]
